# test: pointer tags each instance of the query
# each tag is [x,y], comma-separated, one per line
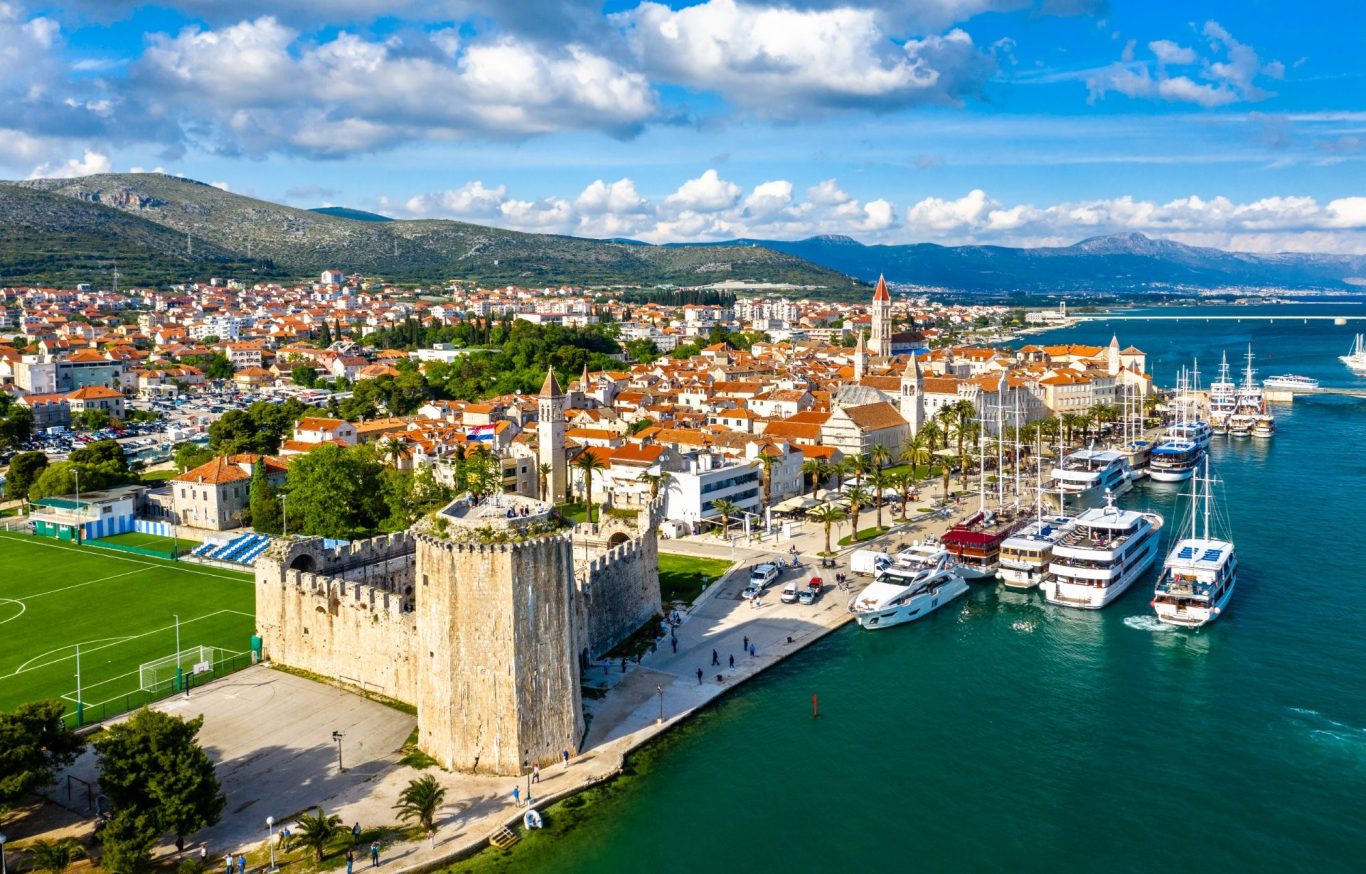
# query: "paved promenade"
[279,769]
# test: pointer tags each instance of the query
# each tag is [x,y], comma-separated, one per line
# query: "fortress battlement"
[345,593]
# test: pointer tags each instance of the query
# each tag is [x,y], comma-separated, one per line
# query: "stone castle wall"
[499,674]
[618,580]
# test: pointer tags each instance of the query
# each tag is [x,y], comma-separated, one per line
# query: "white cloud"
[785,62]
[602,198]
[1210,81]
[352,94]
[938,215]
[88,164]
[707,193]
[471,200]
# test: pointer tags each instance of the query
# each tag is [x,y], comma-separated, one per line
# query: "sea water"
[1006,734]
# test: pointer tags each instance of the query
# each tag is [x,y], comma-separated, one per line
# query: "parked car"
[812,591]
[760,577]
[789,594]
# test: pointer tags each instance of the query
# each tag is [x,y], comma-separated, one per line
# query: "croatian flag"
[479,432]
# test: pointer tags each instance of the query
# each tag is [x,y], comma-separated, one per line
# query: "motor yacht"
[1291,381]
[1026,553]
[905,591]
[1085,476]
[1100,555]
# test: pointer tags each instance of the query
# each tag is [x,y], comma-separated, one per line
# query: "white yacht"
[1252,418]
[1026,553]
[1100,555]
[1356,356]
[1173,460]
[1291,381]
[1201,570]
[1085,476]
[917,584]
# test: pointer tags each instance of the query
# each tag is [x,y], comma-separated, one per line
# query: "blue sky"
[1234,124]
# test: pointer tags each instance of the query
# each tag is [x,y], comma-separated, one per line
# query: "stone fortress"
[483,615]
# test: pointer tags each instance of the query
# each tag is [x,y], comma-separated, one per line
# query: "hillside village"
[727,408]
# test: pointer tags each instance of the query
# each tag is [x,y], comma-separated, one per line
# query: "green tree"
[827,515]
[317,831]
[91,420]
[325,335]
[262,501]
[24,468]
[818,470]
[879,455]
[879,481]
[766,462]
[336,492]
[725,509]
[858,498]
[219,367]
[157,777]
[62,479]
[191,455]
[420,800]
[16,426]
[54,857]
[34,745]
[543,472]
[588,464]
[305,375]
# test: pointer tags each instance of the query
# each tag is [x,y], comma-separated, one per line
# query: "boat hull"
[1171,614]
[1064,594]
[1170,475]
[916,608]
[1086,499]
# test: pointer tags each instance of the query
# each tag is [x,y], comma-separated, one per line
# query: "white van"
[759,579]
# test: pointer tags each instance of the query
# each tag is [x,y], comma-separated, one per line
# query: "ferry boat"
[917,584]
[1173,460]
[1085,476]
[1290,381]
[1200,571]
[1252,417]
[1223,399]
[1100,555]
[1026,553]
[975,543]
[1356,356]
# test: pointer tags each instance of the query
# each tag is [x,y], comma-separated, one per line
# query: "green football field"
[120,609]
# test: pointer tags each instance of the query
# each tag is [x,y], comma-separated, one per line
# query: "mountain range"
[1118,263]
[160,229]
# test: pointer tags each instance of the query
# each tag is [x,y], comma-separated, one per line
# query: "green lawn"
[865,534]
[158,475]
[683,577]
[119,608]
[150,541]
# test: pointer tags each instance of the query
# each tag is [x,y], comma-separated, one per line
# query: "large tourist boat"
[1175,458]
[1252,418]
[975,543]
[920,581]
[1026,553]
[1223,399]
[1200,571]
[1100,555]
[1291,381]
[1084,477]
[1356,356]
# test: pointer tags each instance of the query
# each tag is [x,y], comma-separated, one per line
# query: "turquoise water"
[1004,734]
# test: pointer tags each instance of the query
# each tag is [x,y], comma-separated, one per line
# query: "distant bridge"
[1287,395]
[1091,317]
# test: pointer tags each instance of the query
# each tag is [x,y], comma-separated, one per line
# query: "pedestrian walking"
[535,773]
[732,661]
[431,838]
[517,795]
[715,658]
[699,676]
[374,855]
[203,854]
[674,643]
[623,664]
[355,834]
[751,650]
[242,863]
[745,645]
[566,759]
[228,861]
[350,861]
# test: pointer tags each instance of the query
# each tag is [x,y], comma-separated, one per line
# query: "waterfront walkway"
[628,715]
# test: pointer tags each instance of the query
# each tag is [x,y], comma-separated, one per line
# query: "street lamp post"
[76,472]
[3,869]
[270,840]
[284,512]
[336,736]
[659,690]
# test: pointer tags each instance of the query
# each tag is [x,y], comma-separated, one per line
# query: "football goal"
[159,676]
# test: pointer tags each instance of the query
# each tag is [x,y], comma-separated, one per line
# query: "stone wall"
[498,683]
[618,579]
[358,633]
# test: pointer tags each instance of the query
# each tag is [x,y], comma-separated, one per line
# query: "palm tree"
[878,481]
[544,471]
[588,464]
[420,801]
[828,515]
[726,509]
[968,430]
[933,434]
[903,482]
[918,448]
[394,450]
[880,455]
[1070,422]
[858,466]
[54,856]
[657,481]
[858,499]
[317,831]
[818,470]
[765,462]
